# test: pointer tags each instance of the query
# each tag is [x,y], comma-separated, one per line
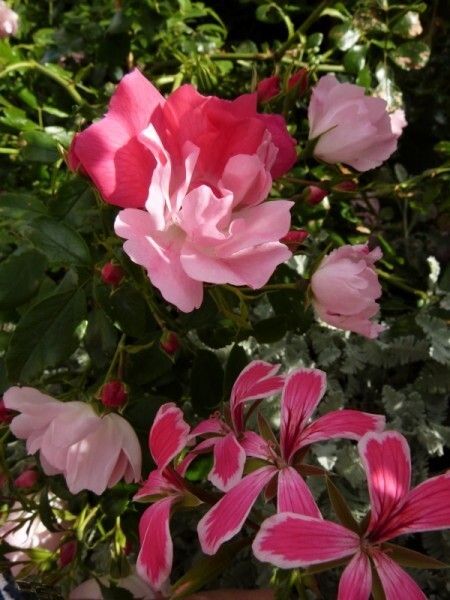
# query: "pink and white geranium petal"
[294,495]
[397,584]
[154,561]
[229,461]
[289,540]
[227,517]
[169,434]
[356,580]
[348,424]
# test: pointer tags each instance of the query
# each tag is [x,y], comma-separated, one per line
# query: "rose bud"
[301,80]
[294,238]
[5,414]
[26,479]
[112,274]
[67,553]
[113,394]
[268,88]
[169,342]
[314,195]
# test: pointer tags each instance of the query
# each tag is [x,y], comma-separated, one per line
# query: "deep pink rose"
[345,287]
[352,128]
[9,20]
[192,173]
[92,452]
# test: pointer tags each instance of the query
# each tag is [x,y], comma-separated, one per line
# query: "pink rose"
[345,287]
[92,452]
[192,173]
[398,122]
[90,589]
[351,128]
[30,534]
[9,20]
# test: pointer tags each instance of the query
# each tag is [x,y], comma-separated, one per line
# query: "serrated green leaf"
[18,206]
[39,147]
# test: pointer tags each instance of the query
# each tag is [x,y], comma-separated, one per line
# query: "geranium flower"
[350,127]
[258,380]
[290,540]
[302,392]
[168,437]
[192,173]
[92,452]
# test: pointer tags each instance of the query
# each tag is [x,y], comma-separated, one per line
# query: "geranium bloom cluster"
[280,467]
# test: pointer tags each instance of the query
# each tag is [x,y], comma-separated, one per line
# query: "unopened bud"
[112,274]
[169,342]
[314,195]
[294,238]
[300,80]
[26,479]
[67,553]
[268,88]
[5,414]
[345,186]
[113,394]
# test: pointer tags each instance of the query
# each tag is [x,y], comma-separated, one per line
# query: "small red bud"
[301,80]
[128,548]
[114,394]
[5,414]
[346,186]
[268,88]
[112,274]
[26,479]
[314,195]
[169,342]
[67,553]
[294,238]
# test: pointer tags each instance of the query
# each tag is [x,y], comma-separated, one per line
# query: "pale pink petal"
[247,178]
[227,517]
[154,561]
[251,266]
[302,393]
[289,540]
[294,495]
[397,584]
[427,508]
[348,424]
[257,380]
[159,253]
[130,446]
[356,580]
[386,461]
[88,590]
[229,461]
[168,435]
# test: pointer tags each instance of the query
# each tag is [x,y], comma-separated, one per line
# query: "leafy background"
[65,331]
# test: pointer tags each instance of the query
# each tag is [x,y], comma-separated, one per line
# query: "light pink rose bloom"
[345,287]
[192,173]
[30,534]
[9,20]
[354,129]
[398,122]
[92,452]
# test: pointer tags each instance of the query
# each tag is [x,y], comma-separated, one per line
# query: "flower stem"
[32,64]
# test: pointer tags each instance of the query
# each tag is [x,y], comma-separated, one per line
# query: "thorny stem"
[32,64]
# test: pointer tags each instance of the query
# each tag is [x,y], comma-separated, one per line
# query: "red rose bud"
[112,274]
[314,195]
[67,553]
[268,88]
[301,80]
[294,238]
[169,342]
[128,548]
[113,394]
[346,186]
[5,414]
[26,479]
